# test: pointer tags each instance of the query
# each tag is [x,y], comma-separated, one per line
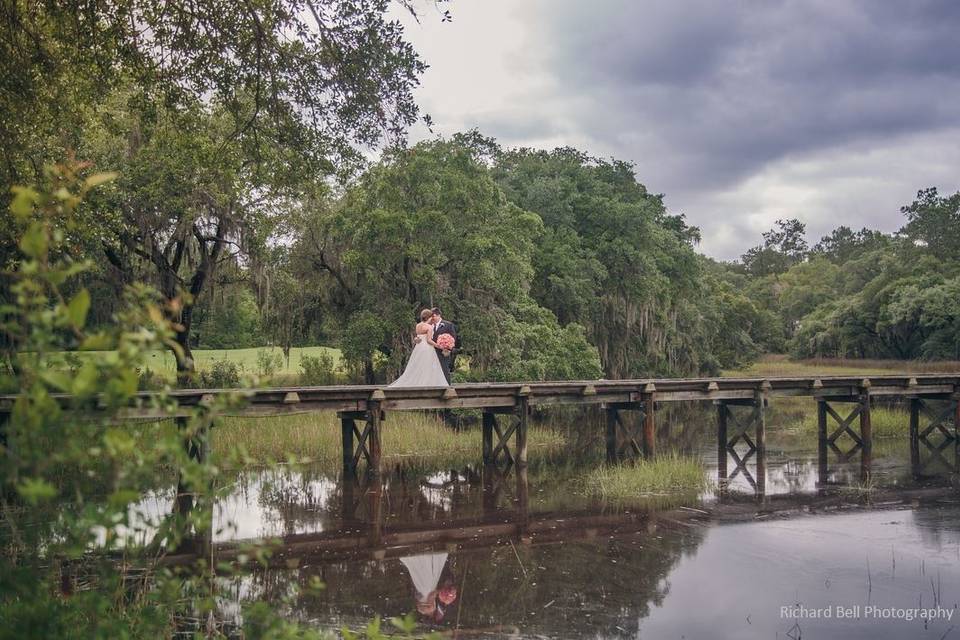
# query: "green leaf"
[99,178]
[77,308]
[36,490]
[34,241]
[24,200]
[57,379]
[407,624]
[97,342]
[85,381]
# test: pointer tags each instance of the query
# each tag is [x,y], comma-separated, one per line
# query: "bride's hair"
[425,315]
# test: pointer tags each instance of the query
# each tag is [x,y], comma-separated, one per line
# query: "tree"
[214,115]
[933,222]
[844,244]
[318,76]
[782,247]
[429,226]
[611,258]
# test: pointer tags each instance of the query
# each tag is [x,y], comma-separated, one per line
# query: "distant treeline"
[861,294]
[553,264]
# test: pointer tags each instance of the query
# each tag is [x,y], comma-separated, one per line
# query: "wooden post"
[184,498]
[866,434]
[611,434]
[722,442]
[490,473]
[649,432]
[348,506]
[196,448]
[375,498]
[488,419]
[347,426]
[523,494]
[956,429]
[915,405]
[822,451]
[4,446]
[4,426]
[761,424]
[522,411]
[375,418]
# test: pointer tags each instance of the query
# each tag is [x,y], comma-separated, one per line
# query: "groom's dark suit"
[447,362]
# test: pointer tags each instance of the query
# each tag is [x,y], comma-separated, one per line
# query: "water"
[770,553]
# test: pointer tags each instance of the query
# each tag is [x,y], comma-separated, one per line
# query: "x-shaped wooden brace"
[361,449]
[742,466]
[844,428]
[938,423]
[494,479]
[503,438]
[631,436]
[742,431]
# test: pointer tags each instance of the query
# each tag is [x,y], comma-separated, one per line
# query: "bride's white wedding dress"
[423,369]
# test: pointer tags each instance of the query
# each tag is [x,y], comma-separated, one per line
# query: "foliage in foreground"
[71,479]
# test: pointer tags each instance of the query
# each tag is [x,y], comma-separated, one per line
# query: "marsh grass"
[667,474]
[775,365]
[409,438]
[886,422]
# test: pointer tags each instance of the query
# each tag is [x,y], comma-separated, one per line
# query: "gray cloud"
[737,111]
[724,88]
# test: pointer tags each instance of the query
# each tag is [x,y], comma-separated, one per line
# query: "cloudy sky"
[833,112]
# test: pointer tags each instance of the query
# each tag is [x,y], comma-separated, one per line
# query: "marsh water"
[766,552]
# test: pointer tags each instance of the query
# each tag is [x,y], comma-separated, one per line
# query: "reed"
[667,474]
[409,437]
[887,422]
[775,365]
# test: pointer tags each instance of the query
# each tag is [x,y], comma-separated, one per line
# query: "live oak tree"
[215,111]
[429,226]
[611,259]
[782,247]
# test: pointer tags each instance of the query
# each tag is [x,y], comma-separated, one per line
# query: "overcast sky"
[740,113]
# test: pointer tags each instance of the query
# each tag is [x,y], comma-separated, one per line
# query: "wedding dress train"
[423,369]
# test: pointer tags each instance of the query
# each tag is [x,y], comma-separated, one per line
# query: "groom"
[441,326]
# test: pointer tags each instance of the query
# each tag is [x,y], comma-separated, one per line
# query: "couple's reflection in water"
[433,584]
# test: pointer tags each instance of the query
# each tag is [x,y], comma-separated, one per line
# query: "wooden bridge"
[506,407]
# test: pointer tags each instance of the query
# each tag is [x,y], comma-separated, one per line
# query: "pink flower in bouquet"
[446,342]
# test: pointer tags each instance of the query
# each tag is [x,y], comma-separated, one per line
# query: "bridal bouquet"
[446,342]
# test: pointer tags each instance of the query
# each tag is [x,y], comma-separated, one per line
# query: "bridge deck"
[506,396]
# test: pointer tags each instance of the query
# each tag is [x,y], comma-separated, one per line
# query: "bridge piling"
[823,471]
[649,428]
[866,433]
[488,420]
[721,444]
[944,421]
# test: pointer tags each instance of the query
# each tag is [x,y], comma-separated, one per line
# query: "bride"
[423,368]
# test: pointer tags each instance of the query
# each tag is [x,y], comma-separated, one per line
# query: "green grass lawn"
[163,363]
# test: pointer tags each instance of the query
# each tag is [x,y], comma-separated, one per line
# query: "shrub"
[224,374]
[150,380]
[268,362]
[317,370]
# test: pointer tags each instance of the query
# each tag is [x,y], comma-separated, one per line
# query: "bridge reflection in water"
[466,549]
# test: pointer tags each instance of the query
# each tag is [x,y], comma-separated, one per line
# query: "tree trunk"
[185,365]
